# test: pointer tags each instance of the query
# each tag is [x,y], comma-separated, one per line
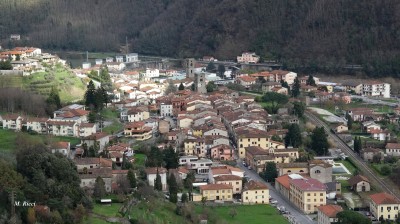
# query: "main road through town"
[364,168]
[295,216]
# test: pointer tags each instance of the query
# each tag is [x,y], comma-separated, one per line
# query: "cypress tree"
[157,182]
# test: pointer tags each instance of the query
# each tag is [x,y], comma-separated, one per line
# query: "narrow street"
[295,216]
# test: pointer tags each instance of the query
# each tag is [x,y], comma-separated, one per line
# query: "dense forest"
[305,35]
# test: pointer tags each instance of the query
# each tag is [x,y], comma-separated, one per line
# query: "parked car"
[273,201]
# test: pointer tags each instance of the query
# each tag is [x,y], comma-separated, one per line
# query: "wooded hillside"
[306,35]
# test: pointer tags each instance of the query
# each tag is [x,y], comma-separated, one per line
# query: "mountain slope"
[307,35]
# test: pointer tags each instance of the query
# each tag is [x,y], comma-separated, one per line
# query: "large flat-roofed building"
[307,194]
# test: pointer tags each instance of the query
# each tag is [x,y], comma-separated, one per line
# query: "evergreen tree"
[99,190]
[221,71]
[181,87]
[90,95]
[352,217]
[126,165]
[171,158]
[270,172]
[184,198]
[210,67]
[293,137]
[157,182]
[211,86]
[319,141]
[92,117]
[296,87]
[173,189]
[18,57]
[349,121]
[310,81]
[155,157]
[6,65]
[299,108]
[54,98]
[132,178]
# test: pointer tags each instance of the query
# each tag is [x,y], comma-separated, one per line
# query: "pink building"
[221,152]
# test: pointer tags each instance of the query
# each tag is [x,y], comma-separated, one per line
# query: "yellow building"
[256,157]
[384,206]
[233,180]
[217,192]
[195,146]
[307,194]
[327,214]
[255,192]
[251,137]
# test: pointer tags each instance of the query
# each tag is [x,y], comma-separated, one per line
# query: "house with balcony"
[376,89]
[12,121]
[99,140]
[248,57]
[86,129]
[62,128]
[37,124]
[138,130]
[61,147]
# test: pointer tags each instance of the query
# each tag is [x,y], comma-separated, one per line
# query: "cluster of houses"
[28,60]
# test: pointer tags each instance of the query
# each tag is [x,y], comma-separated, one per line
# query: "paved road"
[365,169]
[296,216]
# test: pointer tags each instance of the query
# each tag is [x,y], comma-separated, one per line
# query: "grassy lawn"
[254,214]
[107,210]
[345,186]
[112,115]
[72,140]
[156,211]
[140,159]
[113,128]
[93,220]
[378,166]
[349,166]
[7,140]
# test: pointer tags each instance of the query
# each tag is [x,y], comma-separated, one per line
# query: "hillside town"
[233,133]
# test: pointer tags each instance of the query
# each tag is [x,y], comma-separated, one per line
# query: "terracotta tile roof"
[62,123]
[215,187]
[392,146]
[356,179]
[61,145]
[227,178]
[153,170]
[308,184]
[283,180]
[103,172]
[247,79]
[255,185]
[37,119]
[96,136]
[87,125]
[384,198]
[10,116]
[292,165]
[330,210]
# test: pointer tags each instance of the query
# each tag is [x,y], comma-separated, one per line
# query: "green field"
[254,214]
[71,88]
[349,166]
[107,210]
[7,140]
[345,186]
[156,212]
[140,159]
[112,115]
[8,137]
[93,220]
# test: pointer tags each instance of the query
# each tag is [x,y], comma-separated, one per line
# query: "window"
[321,200]
[317,171]
[396,208]
[256,192]
[247,197]
[308,194]
[321,194]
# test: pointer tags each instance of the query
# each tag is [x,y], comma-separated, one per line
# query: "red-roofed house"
[384,206]
[327,214]
[37,124]
[61,147]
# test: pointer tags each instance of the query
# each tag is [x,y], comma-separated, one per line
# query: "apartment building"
[384,206]
[255,192]
[327,214]
[217,192]
[376,89]
[232,180]
[307,194]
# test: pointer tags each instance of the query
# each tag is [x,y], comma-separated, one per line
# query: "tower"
[200,82]
[189,65]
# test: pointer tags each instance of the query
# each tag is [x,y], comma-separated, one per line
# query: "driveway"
[295,216]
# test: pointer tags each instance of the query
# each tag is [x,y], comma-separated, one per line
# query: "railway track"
[364,168]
